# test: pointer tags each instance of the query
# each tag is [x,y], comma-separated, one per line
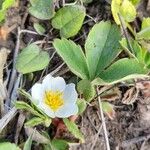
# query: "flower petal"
[37,93]
[70,94]
[54,84]
[58,84]
[66,111]
[48,111]
[47,82]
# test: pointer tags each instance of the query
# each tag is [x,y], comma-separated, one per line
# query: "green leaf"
[145,23]
[144,34]
[28,143]
[142,54]
[28,96]
[128,11]
[147,59]
[73,56]
[31,59]
[3,10]
[135,2]
[8,146]
[123,69]
[125,8]
[59,144]
[102,47]
[81,106]
[34,121]
[145,31]
[87,89]
[43,10]
[2,15]
[7,4]
[69,20]
[115,8]
[108,109]
[138,52]
[24,106]
[73,128]
[39,28]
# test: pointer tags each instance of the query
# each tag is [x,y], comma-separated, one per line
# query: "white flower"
[55,98]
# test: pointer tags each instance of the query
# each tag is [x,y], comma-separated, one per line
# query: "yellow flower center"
[53,99]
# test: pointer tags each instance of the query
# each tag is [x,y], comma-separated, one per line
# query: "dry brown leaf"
[144,87]
[130,96]
[5,30]
[111,95]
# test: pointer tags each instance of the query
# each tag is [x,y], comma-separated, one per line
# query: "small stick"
[14,72]
[103,121]
[57,69]
[96,138]
[134,140]
[126,36]
[20,123]
[148,5]
[6,119]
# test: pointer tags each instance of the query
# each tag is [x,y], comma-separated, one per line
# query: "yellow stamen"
[53,99]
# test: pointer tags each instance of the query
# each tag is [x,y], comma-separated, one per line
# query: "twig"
[143,145]
[14,72]
[42,42]
[91,122]
[91,18]
[126,36]
[148,6]
[62,72]
[20,123]
[14,94]
[5,120]
[57,69]
[103,121]
[134,140]
[96,138]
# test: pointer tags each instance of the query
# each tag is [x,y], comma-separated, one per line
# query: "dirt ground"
[130,128]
